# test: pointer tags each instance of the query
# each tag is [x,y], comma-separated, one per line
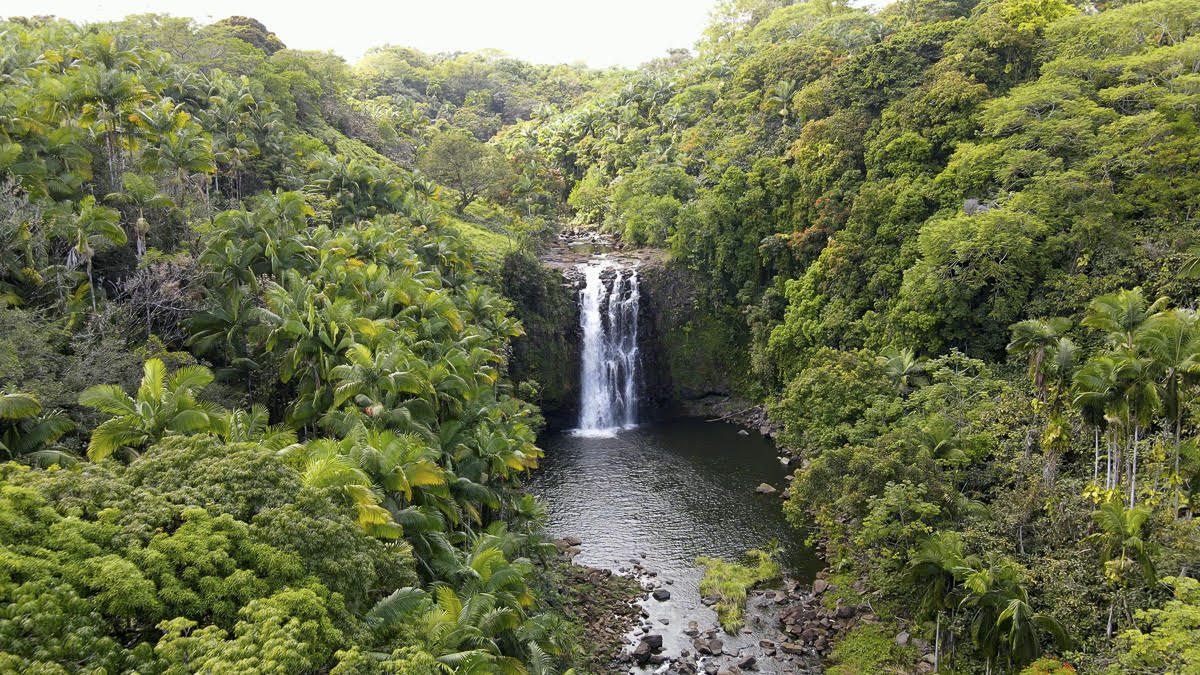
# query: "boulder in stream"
[765,489]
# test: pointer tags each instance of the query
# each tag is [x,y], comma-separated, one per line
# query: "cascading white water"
[608,310]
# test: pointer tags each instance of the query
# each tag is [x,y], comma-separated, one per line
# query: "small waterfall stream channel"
[646,497]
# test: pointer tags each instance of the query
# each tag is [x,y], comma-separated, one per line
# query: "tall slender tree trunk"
[91,284]
[1133,467]
[1108,632]
[1096,463]
[1178,434]
[937,644]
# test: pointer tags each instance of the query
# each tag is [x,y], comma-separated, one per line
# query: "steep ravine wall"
[547,303]
[684,354]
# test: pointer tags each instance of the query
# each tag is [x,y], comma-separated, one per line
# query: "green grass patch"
[728,582]
[491,246]
[869,649]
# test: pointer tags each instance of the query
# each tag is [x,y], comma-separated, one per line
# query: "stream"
[647,499]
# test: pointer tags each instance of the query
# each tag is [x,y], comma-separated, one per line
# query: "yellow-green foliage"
[728,581]
[868,649]
[840,592]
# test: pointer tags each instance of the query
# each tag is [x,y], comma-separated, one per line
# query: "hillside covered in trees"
[255,379]
[952,247]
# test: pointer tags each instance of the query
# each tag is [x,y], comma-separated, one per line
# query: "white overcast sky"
[599,32]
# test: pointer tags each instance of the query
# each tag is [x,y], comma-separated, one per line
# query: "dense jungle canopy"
[258,308]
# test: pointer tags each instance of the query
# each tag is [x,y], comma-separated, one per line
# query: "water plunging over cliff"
[608,314]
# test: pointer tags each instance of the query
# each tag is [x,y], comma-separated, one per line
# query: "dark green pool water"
[674,491]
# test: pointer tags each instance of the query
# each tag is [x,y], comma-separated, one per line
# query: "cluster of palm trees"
[991,594]
[163,139]
[385,338]
[1141,382]
[348,313]
[386,347]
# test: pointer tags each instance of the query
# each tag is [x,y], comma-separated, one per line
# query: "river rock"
[748,663]
[712,646]
[573,541]
[902,639]
[692,630]
[846,612]
[743,432]
[654,640]
[641,653]
[765,489]
[820,586]
[791,648]
[661,594]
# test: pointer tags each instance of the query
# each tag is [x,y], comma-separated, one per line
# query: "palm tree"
[1123,548]
[180,154]
[141,193]
[781,94]
[1174,343]
[163,405]
[223,328]
[93,228]
[903,368]
[1138,384]
[252,426]
[1035,339]
[1002,622]
[1096,396]
[939,441]
[1123,315]
[934,568]
[323,465]
[27,435]
[110,96]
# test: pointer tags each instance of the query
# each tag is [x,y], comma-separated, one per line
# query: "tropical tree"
[903,368]
[460,162]
[1003,624]
[162,405]
[1125,553]
[94,228]
[1097,398]
[1123,316]
[935,568]
[141,193]
[28,435]
[1173,341]
[323,464]
[1036,339]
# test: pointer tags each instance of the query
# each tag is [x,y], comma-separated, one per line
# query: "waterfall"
[608,314]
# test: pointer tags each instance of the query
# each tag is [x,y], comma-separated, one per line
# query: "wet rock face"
[549,352]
